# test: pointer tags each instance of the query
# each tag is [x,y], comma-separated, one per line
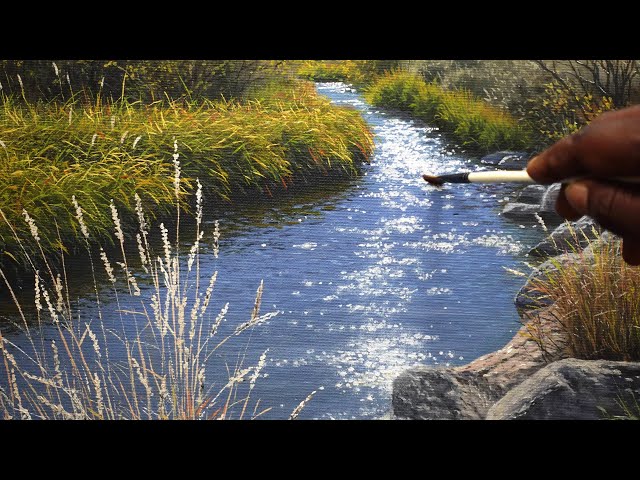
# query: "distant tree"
[601,78]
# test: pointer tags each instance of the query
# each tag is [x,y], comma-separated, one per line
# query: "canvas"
[243,239]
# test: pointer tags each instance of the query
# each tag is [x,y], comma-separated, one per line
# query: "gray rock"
[468,391]
[548,201]
[568,237]
[528,297]
[522,212]
[515,161]
[531,194]
[573,389]
[428,393]
[497,157]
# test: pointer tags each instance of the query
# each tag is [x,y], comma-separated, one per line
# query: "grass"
[596,303]
[355,72]
[469,120]
[158,364]
[107,150]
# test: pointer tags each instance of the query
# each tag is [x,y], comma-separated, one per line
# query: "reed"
[158,364]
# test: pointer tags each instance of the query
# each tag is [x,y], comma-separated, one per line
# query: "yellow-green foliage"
[356,72]
[597,304]
[50,152]
[557,114]
[468,119]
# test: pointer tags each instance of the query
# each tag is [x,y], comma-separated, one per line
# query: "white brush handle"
[500,176]
[521,176]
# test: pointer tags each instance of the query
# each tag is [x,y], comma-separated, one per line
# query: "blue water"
[383,275]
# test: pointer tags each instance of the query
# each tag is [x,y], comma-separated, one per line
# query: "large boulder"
[468,391]
[531,194]
[505,158]
[573,389]
[568,237]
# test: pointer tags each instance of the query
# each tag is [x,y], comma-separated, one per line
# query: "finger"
[613,206]
[609,146]
[631,251]
[564,208]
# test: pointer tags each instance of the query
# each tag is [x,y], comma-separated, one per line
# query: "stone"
[548,201]
[515,161]
[567,237]
[573,389]
[521,212]
[469,391]
[496,157]
[531,194]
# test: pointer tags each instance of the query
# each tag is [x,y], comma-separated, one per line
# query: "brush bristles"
[433,180]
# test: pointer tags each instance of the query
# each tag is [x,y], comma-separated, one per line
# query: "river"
[383,274]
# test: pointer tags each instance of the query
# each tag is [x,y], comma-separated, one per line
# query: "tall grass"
[596,303]
[107,150]
[468,119]
[158,364]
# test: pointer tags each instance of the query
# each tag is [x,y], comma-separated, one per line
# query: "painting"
[255,239]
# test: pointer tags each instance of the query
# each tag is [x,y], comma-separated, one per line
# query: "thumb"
[614,207]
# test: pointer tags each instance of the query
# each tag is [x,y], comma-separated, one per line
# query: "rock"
[515,161]
[468,391]
[570,236]
[428,393]
[528,298]
[605,238]
[531,194]
[522,212]
[548,201]
[572,389]
[497,157]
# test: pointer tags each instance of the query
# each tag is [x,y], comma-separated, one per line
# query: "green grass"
[469,120]
[111,150]
[597,305]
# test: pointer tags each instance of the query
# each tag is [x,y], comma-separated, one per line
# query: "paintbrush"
[501,176]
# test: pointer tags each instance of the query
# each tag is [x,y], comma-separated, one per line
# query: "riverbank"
[286,137]
[575,357]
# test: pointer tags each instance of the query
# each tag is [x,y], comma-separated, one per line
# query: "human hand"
[608,147]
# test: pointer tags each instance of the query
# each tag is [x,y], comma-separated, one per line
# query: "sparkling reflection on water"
[386,274]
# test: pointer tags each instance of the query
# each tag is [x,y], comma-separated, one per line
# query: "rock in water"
[568,237]
[522,212]
[531,194]
[514,161]
[573,389]
[548,201]
[496,158]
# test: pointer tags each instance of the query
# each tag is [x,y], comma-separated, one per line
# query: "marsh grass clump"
[596,303]
[103,149]
[158,363]
[468,119]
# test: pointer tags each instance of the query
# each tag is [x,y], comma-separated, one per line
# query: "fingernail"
[578,196]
